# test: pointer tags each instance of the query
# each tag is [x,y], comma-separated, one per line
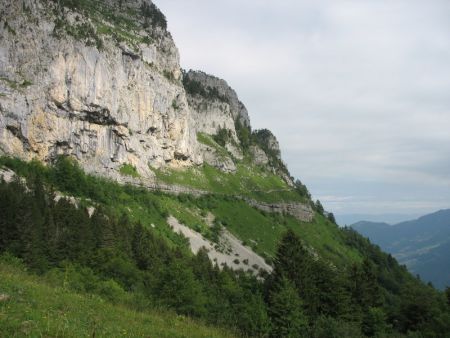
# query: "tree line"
[130,263]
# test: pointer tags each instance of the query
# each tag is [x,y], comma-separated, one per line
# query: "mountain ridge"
[420,244]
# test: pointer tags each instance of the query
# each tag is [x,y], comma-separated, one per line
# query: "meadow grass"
[36,309]
[262,231]
[249,180]
[259,230]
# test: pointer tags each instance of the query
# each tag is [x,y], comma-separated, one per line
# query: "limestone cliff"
[101,81]
[214,103]
[91,86]
[215,107]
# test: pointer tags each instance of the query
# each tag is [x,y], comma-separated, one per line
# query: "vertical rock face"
[268,143]
[100,81]
[209,94]
[214,106]
[118,101]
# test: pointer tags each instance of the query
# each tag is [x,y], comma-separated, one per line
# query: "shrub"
[222,137]
[243,134]
[129,170]
[169,76]
[12,260]
[152,13]
[194,87]
[111,291]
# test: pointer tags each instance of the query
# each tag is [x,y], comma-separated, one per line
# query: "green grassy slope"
[36,309]
[249,180]
[258,229]
[262,231]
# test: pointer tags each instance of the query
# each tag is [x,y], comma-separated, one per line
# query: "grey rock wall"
[301,211]
[104,101]
[229,103]
[106,106]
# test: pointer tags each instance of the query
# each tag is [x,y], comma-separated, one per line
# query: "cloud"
[356,91]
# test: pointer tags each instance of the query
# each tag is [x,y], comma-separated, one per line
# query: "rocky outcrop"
[214,106]
[7,175]
[214,158]
[259,156]
[302,212]
[100,81]
[268,143]
[77,83]
[207,92]
[105,104]
[209,116]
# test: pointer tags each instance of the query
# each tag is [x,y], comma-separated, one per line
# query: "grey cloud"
[356,91]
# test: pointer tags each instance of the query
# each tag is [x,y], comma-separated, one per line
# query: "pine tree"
[178,289]
[447,294]
[374,322]
[285,311]
[319,208]
[363,286]
[324,294]
[372,296]
[251,314]
[140,247]
[291,261]
[11,200]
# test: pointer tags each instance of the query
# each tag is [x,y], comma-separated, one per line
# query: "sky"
[357,92]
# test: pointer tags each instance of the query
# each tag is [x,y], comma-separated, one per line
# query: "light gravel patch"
[237,256]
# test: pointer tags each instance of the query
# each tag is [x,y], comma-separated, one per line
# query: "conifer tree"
[374,322]
[178,289]
[285,310]
[291,261]
[447,294]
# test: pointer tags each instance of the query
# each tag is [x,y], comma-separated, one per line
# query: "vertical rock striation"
[119,101]
[100,81]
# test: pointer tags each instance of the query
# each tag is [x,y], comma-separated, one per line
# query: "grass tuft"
[129,170]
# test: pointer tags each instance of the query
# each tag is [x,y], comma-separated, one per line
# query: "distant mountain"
[347,219]
[423,245]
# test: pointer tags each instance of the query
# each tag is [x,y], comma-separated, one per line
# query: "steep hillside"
[422,244]
[126,178]
[122,240]
[38,308]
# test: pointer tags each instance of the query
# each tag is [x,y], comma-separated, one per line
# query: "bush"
[194,87]
[152,13]
[129,170]
[12,260]
[69,175]
[243,133]
[222,137]
[111,291]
